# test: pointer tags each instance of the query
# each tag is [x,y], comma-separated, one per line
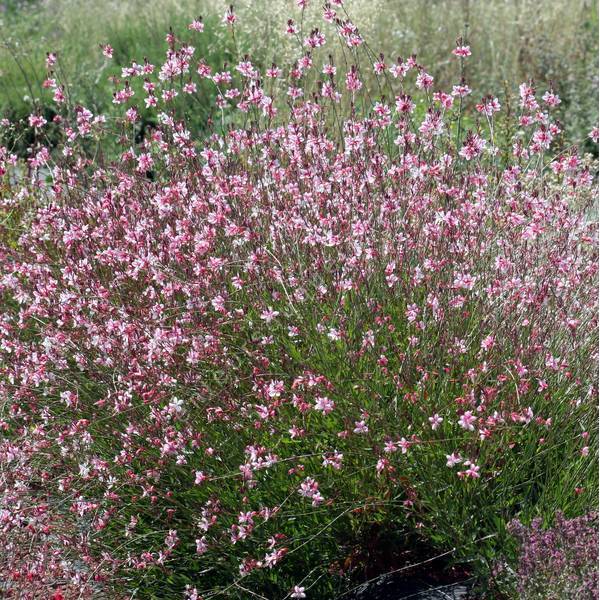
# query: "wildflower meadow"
[275,325]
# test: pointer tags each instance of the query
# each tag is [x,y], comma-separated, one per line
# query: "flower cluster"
[212,349]
[560,561]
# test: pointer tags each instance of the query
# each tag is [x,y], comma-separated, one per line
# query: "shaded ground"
[392,587]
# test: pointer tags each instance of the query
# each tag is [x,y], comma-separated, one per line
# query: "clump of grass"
[342,317]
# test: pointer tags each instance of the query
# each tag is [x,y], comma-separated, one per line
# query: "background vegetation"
[553,42]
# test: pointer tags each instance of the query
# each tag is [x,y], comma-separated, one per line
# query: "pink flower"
[269,315]
[466,421]
[399,70]
[462,51]
[273,72]
[291,28]
[333,460]
[446,100]
[488,343]
[360,427]
[424,80]
[527,94]
[324,404]
[201,545]
[51,59]
[404,445]
[353,83]
[488,106]
[315,40]
[381,465]
[296,432]
[329,14]
[379,67]
[472,471]
[551,99]
[453,459]
[229,18]
[404,104]
[275,388]
[473,146]
[36,121]
[461,90]
[435,421]
[465,281]
[412,312]
[388,249]
[309,488]
[390,447]
[196,25]
[107,50]
[333,334]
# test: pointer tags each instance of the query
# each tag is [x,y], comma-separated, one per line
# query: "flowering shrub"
[231,365]
[559,562]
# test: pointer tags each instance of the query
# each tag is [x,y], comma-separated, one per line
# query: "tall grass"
[552,41]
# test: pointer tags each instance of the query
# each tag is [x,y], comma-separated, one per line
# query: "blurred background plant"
[557,561]
[553,42]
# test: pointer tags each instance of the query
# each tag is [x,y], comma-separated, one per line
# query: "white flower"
[298,592]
